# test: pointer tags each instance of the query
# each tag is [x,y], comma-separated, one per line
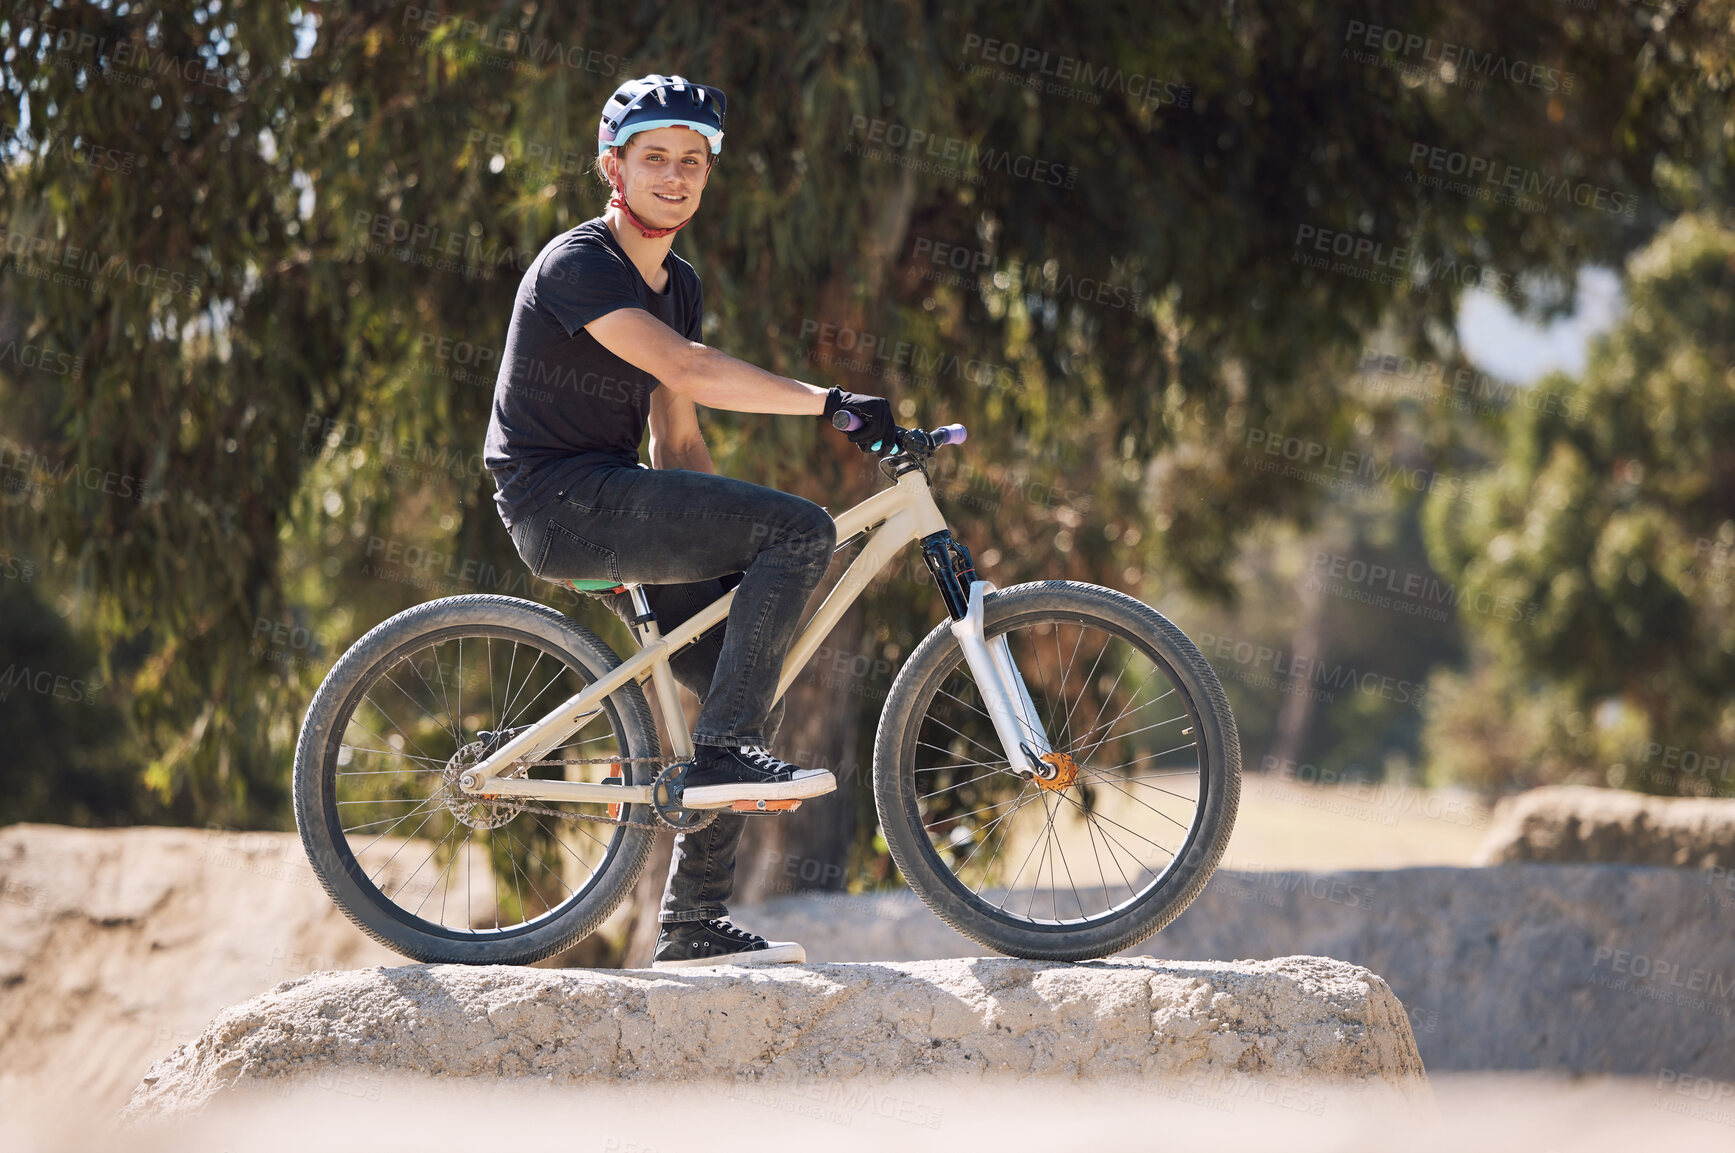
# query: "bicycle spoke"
[538,862]
[395,822]
[994,766]
[1013,884]
[1090,678]
[457,729]
[1109,832]
[542,822]
[966,736]
[1060,849]
[995,805]
[400,848]
[1134,798]
[1181,716]
[1146,729]
[1097,775]
[438,883]
[555,680]
[949,788]
[1193,744]
[987,836]
[513,696]
[1121,827]
[389,680]
[1046,842]
[988,869]
[429,713]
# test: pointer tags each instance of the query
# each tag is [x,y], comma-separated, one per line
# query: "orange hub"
[1066,771]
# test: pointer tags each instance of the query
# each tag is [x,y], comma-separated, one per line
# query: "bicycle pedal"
[765,806]
[614,807]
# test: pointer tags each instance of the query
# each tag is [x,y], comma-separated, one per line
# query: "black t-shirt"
[562,402]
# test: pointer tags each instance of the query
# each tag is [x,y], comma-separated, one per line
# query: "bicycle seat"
[597,587]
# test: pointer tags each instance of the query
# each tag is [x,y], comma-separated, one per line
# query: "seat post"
[644,621]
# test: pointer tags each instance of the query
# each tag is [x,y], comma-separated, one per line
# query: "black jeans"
[680,533]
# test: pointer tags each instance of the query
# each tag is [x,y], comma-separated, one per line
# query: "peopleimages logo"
[841,345]
[1461,388]
[1662,979]
[1303,670]
[48,684]
[960,267]
[1453,63]
[957,158]
[1366,258]
[1062,75]
[1525,188]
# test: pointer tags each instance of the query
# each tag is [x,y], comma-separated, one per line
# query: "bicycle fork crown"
[953,570]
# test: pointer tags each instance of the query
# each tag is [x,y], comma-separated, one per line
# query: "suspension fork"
[1003,690]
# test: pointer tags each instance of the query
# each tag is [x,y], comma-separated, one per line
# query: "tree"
[1614,513]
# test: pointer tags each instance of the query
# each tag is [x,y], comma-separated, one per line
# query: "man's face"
[664,173]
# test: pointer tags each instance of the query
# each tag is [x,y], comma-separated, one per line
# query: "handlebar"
[912,440]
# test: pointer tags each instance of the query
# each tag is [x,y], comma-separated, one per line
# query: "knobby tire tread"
[334,696]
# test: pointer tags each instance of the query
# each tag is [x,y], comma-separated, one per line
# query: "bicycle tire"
[1141,630]
[319,752]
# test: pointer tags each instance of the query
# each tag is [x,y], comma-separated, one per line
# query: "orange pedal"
[614,807]
[765,806]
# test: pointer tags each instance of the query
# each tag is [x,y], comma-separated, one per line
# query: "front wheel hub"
[1063,772]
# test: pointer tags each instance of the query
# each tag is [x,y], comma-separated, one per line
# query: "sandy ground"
[1520,1113]
[1285,824]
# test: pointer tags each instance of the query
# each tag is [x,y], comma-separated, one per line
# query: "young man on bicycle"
[604,340]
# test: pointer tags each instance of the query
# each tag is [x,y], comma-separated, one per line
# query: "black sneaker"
[720,777]
[692,944]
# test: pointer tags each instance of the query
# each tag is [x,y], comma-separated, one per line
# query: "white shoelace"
[728,929]
[765,762]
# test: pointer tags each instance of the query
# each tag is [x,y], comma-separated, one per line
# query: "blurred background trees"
[271,251]
[1615,517]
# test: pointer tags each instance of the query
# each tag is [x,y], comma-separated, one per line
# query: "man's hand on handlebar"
[872,425]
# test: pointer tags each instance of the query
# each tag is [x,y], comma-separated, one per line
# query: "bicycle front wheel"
[1126,834]
[422,867]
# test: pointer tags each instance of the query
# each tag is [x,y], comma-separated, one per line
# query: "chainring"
[665,798]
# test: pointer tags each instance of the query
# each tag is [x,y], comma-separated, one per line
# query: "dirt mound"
[118,945]
[1299,1019]
[1571,823]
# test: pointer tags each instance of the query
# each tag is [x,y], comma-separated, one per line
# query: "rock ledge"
[1576,823]
[1294,1019]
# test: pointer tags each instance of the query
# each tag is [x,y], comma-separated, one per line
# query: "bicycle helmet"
[657,101]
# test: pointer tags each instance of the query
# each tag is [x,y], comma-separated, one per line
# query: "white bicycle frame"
[904,513]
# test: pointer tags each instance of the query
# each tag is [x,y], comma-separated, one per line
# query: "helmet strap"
[619,200]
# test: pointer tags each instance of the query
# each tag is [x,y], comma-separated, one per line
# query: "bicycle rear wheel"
[1121,841]
[418,865]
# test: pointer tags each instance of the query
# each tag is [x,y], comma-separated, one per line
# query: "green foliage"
[1616,515]
[57,713]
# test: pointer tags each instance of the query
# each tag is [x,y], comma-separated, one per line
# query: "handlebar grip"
[950,434]
[845,421]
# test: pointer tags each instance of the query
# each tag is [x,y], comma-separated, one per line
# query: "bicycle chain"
[545,811]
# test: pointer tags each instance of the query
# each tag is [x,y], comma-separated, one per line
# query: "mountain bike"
[1056,770]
